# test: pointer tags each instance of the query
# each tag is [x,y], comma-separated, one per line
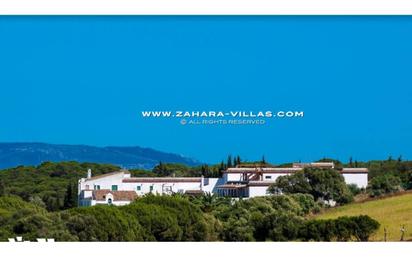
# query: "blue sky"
[85,80]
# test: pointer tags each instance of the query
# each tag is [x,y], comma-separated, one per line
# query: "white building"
[119,188]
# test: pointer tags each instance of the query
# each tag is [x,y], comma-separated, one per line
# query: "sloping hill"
[391,212]
[15,154]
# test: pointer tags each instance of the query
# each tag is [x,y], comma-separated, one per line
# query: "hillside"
[391,212]
[15,154]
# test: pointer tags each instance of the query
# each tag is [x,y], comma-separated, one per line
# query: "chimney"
[89,173]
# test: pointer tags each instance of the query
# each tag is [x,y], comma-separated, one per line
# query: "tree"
[103,223]
[190,218]
[229,161]
[384,184]
[296,183]
[238,161]
[160,224]
[70,198]
[234,162]
[221,168]
[354,189]
[48,180]
[324,184]
[204,170]
[238,230]
[263,161]
[328,184]
[2,188]
[345,228]
[365,227]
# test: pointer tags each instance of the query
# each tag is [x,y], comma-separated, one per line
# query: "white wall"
[258,191]
[116,203]
[273,176]
[159,187]
[233,176]
[213,183]
[104,182]
[360,179]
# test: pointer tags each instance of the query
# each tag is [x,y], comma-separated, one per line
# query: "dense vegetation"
[392,212]
[322,184]
[54,185]
[180,218]
[386,176]
[41,202]
[48,184]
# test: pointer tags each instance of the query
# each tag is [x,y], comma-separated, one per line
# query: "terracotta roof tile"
[100,195]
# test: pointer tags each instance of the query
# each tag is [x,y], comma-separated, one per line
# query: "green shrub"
[102,223]
[358,228]
[323,184]
[384,184]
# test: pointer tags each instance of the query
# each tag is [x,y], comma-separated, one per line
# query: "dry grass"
[391,213]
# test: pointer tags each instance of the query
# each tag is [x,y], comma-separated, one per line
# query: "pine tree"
[207,172]
[263,160]
[229,162]
[221,169]
[350,162]
[204,170]
[238,161]
[2,188]
[222,166]
[70,198]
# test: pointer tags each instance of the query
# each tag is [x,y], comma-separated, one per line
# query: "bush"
[354,189]
[358,228]
[237,229]
[307,203]
[365,227]
[102,223]
[19,218]
[282,226]
[384,184]
[190,217]
[159,223]
[322,184]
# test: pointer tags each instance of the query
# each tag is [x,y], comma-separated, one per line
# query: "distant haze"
[15,154]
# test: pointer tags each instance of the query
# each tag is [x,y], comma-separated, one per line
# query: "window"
[268,177]
[114,187]
[87,187]
[96,187]
[109,201]
[138,188]
[180,191]
[151,188]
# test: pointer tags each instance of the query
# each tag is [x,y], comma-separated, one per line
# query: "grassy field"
[391,213]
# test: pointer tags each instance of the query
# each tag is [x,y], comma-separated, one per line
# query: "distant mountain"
[15,154]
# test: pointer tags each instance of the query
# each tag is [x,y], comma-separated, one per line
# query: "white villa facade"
[119,188]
